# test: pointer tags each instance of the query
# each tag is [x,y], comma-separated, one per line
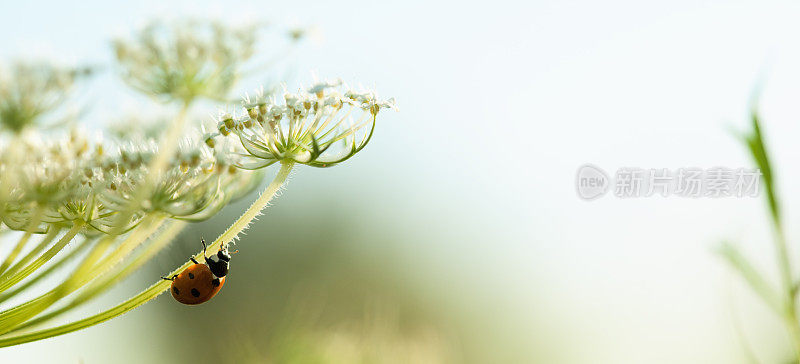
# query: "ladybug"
[200,282]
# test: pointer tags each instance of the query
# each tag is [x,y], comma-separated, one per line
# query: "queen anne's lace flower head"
[321,126]
[185,60]
[198,181]
[29,92]
[63,180]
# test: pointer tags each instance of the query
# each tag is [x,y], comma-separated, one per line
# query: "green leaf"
[755,143]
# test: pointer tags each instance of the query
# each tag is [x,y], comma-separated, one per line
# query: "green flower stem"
[93,266]
[166,150]
[121,272]
[162,285]
[35,220]
[10,158]
[18,274]
[14,252]
[11,317]
[48,238]
[254,210]
[352,130]
[84,244]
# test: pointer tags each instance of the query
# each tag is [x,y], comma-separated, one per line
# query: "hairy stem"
[255,209]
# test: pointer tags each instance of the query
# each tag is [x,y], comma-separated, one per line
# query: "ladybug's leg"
[194,260]
[204,252]
[169,279]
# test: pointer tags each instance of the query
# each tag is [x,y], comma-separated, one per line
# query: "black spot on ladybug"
[175,289]
[191,276]
[195,292]
[215,282]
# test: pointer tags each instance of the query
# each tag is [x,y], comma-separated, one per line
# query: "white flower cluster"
[187,59]
[303,126]
[59,182]
[31,90]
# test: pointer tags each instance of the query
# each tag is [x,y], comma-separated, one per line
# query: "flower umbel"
[186,60]
[321,126]
[29,91]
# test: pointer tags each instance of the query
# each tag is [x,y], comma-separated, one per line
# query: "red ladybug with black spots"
[200,282]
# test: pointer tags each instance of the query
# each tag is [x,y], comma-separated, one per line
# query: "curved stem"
[35,220]
[94,265]
[19,274]
[100,285]
[48,238]
[255,209]
[161,285]
[83,245]
[16,315]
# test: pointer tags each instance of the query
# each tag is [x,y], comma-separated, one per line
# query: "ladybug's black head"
[223,254]
[220,266]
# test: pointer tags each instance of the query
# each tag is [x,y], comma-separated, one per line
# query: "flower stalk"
[37,216]
[72,254]
[21,273]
